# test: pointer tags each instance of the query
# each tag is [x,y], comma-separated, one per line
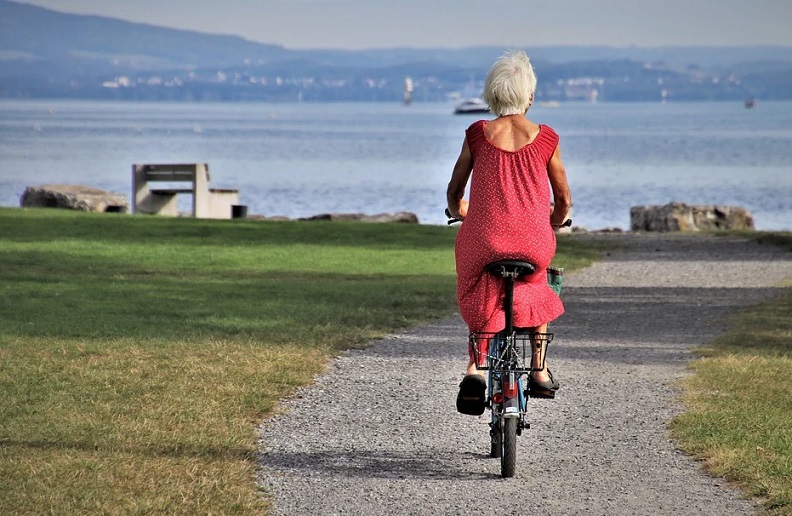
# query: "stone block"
[682,217]
[73,197]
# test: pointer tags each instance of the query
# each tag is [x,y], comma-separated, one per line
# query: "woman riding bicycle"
[514,164]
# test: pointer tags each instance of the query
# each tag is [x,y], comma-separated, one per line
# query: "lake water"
[303,159]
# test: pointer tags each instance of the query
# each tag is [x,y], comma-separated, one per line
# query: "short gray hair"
[510,84]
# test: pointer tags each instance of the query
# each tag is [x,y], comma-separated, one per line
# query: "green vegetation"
[739,402]
[139,354]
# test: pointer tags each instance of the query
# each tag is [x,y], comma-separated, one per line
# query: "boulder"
[73,197]
[682,217]
[405,217]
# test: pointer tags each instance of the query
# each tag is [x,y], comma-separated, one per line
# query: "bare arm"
[459,178]
[562,198]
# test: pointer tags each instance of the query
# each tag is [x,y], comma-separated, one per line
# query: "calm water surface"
[302,159]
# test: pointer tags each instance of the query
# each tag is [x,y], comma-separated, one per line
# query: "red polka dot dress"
[508,218]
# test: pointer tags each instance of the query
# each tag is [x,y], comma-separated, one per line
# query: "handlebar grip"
[451,220]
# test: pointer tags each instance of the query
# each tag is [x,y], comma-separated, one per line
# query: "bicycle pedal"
[541,394]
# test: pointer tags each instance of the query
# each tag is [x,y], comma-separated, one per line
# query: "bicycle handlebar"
[453,220]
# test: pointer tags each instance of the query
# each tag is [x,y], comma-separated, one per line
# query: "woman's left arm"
[562,198]
[457,206]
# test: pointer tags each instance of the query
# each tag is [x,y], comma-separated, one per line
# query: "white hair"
[510,84]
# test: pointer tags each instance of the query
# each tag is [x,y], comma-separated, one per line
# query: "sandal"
[472,395]
[537,389]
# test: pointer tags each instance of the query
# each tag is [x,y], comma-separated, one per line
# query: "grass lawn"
[739,402]
[139,354]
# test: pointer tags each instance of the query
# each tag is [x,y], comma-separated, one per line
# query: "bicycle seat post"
[510,270]
[508,300]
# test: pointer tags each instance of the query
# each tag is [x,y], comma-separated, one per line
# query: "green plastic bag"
[555,278]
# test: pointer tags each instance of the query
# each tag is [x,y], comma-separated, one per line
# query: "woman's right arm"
[459,178]
[562,197]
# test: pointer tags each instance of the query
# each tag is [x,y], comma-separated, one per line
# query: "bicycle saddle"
[518,267]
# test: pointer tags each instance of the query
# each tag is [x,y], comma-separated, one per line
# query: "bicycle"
[507,356]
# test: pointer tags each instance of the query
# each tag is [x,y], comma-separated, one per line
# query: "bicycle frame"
[508,357]
[500,354]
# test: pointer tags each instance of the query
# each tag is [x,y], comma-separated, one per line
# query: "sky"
[361,24]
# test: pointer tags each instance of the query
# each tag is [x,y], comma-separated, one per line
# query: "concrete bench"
[207,203]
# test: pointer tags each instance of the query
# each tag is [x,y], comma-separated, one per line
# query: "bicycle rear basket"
[490,350]
[555,278]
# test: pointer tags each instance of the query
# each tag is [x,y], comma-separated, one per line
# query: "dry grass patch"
[130,428]
[739,402]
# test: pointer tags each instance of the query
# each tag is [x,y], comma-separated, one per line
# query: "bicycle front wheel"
[509,456]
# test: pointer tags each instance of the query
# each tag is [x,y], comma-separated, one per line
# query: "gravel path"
[379,434]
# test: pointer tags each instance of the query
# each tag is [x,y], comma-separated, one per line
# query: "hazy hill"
[44,53]
[37,33]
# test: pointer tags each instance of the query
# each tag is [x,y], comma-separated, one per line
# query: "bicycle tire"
[509,457]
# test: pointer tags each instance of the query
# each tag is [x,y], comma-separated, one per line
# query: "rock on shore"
[73,197]
[402,216]
[682,217]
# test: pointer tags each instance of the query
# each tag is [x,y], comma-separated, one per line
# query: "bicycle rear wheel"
[509,456]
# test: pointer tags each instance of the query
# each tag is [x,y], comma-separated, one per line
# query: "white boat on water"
[471,106]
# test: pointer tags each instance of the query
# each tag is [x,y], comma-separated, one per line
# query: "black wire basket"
[489,350]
